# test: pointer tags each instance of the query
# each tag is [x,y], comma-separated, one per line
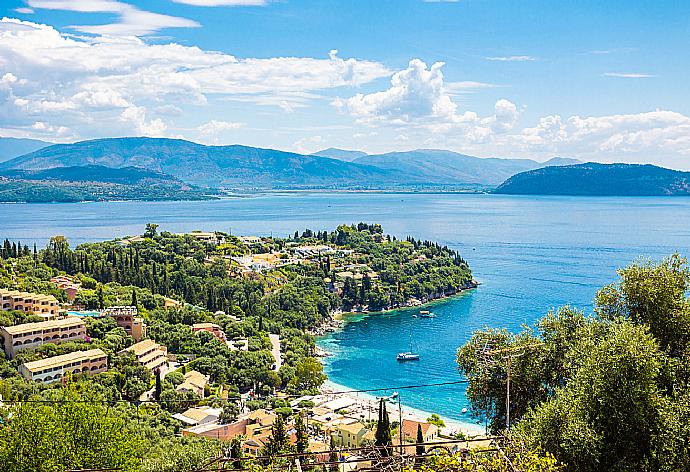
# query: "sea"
[531,254]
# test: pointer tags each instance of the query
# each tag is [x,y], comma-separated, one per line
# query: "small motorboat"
[426,314]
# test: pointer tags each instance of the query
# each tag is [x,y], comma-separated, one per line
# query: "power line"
[341,392]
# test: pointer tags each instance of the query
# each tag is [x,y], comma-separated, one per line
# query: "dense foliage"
[601,392]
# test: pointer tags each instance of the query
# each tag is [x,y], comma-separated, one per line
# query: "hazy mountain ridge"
[205,165]
[246,167]
[599,180]
[14,147]
[439,166]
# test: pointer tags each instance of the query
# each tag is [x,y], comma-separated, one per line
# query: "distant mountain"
[14,147]
[560,161]
[599,179]
[91,173]
[230,166]
[94,183]
[340,154]
[439,167]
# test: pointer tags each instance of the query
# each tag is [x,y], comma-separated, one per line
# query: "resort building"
[126,317]
[149,353]
[211,238]
[198,415]
[42,305]
[211,328]
[352,435]
[33,335]
[430,431]
[194,382]
[67,285]
[54,368]
[254,426]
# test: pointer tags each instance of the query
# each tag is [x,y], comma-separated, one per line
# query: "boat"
[426,314]
[409,355]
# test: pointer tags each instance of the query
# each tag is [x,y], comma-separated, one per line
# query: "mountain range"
[247,167]
[14,147]
[599,180]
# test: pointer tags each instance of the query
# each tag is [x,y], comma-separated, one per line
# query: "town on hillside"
[210,336]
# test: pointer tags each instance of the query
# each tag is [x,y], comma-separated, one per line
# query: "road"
[275,350]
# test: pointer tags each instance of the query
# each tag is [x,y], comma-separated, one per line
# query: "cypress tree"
[420,439]
[134,297]
[302,436]
[159,385]
[383,430]
[333,456]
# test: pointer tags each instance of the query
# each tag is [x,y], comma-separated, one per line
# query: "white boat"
[409,355]
[426,314]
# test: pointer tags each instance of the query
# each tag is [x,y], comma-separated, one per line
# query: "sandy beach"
[365,406]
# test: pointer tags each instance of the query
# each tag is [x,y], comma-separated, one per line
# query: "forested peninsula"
[187,289]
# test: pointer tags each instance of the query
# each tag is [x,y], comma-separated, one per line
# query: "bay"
[529,253]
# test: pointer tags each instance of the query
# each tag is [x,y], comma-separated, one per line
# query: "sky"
[604,81]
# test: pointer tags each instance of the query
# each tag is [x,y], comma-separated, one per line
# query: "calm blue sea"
[530,254]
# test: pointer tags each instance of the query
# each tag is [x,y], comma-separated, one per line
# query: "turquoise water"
[530,253]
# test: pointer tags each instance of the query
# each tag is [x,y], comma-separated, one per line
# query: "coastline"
[342,315]
[369,403]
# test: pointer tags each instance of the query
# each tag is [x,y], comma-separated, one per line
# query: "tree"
[302,435]
[229,413]
[134,297]
[333,456]
[151,230]
[308,375]
[76,431]
[383,430]
[159,387]
[279,441]
[653,295]
[420,450]
[435,419]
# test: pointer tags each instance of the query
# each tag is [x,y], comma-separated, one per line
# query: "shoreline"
[368,402]
[341,315]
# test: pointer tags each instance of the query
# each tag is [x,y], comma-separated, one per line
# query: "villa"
[126,317]
[33,335]
[46,306]
[54,368]
[67,285]
[194,382]
[149,353]
[211,328]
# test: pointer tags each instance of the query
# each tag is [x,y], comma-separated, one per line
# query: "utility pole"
[507,355]
[400,426]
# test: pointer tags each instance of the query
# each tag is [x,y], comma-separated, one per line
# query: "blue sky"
[599,80]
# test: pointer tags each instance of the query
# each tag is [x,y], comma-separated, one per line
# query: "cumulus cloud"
[416,92]
[133,21]
[86,83]
[418,97]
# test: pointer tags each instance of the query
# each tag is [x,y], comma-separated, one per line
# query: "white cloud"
[137,116]
[133,21]
[415,93]
[309,144]
[511,58]
[85,84]
[628,75]
[419,98]
[209,132]
[223,3]
[24,10]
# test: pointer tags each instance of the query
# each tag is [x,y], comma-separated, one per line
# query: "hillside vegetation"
[599,179]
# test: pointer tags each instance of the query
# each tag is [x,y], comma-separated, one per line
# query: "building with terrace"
[33,335]
[54,368]
[67,285]
[126,317]
[151,354]
[46,306]
[212,328]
